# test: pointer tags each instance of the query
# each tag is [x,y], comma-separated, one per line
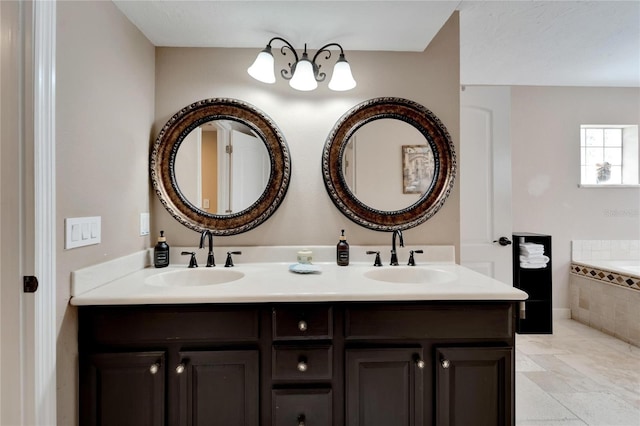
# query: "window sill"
[608,186]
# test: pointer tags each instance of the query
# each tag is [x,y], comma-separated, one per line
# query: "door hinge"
[29,283]
[228,149]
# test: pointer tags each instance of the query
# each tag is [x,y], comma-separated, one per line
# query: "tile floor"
[577,376]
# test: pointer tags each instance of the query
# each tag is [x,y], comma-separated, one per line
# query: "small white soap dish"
[305,268]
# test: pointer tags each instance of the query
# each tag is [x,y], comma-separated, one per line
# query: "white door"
[485,180]
[250,168]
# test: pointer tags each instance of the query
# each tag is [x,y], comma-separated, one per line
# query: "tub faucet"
[210,260]
[394,255]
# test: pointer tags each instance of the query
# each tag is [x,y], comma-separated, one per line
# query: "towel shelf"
[537,283]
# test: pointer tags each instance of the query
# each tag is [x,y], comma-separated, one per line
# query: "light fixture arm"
[320,76]
[286,74]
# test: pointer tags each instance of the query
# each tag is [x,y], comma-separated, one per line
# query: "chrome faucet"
[394,255]
[210,260]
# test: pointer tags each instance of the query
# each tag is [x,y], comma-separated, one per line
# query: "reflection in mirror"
[388,165]
[222,167]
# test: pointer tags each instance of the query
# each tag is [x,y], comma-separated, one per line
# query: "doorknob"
[503,241]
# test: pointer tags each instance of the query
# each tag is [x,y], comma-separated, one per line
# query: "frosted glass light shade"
[304,78]
[262,67]
[342,79]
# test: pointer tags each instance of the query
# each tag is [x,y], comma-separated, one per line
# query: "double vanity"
[257,344]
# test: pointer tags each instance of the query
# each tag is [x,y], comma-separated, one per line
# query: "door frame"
[32,348]
[44,156]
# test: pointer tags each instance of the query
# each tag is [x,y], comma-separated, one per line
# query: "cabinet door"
[384,387]
[219,388]
[122,389]
[474,386]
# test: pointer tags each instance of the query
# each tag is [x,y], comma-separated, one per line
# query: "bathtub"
[605,294]
[623,267]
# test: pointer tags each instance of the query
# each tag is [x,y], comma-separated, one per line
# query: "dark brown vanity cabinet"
[311,364]
[473,386]
[123,388]
[384,386]
[219,388]
[169,365]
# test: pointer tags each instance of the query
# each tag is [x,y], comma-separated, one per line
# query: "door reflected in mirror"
[388,165]
[222,167]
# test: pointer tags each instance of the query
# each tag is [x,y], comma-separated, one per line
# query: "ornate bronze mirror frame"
[436,136]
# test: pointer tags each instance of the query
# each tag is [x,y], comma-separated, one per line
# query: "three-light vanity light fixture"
[303,74]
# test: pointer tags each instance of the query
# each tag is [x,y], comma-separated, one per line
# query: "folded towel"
[527,265]
[531,245]
[534,258]
[531,249]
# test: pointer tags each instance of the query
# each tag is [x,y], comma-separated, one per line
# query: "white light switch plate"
[82,231]
[144,224]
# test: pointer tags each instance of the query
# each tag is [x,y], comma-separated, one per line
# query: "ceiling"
[548,43]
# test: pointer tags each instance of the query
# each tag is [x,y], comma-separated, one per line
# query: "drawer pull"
[180,368]
[302,365]
[154,368]
[302,325]
[301,420]
[445,363]
[420,364]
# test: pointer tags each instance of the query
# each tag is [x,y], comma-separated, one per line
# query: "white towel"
[531,248]
[534,258]
[527,265]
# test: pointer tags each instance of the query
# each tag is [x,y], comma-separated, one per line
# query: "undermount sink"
[410,275]
[194,277]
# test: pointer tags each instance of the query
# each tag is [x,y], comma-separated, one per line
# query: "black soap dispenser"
[342,251]
[161,252]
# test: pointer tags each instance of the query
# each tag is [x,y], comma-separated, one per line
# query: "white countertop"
[273,282]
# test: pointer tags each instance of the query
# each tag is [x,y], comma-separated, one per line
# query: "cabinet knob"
[180,368]
[445,363]
[302,365]
[302,325]
[154,368]
[301,420]
[420,364]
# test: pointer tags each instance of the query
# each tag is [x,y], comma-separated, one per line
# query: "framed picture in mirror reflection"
[417,168]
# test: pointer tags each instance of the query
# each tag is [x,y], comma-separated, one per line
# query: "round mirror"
[389,163]
[220,165]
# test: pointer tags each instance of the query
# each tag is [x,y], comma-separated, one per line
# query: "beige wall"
[104,112]
[545,124]
[307,215]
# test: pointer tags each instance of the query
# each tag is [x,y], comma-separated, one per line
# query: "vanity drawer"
[428,321]
[302,322]
[309,407]
[133,325]
[302,363]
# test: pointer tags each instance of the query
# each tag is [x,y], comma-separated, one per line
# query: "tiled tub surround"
[605,292]
[586,250]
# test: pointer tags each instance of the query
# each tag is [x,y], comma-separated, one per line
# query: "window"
[609,155]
